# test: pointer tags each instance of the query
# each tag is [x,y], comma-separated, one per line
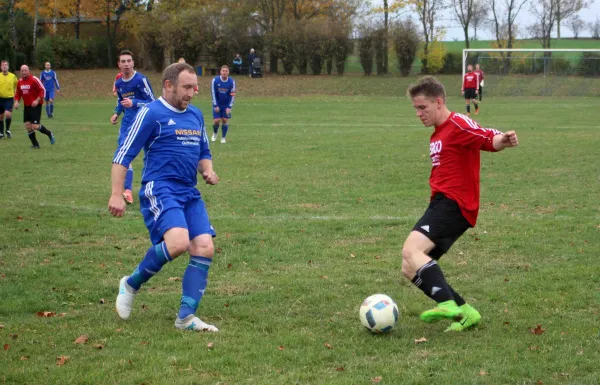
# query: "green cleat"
[471,317]
[448,309]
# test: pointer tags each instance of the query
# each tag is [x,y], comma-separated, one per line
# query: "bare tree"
[548,13]
[595,28]
[463,12]
[504,14]
[427,10]
[566,9]
[576,25]
[479,17]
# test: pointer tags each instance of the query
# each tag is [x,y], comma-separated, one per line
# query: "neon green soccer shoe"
[448,309]
[471,317]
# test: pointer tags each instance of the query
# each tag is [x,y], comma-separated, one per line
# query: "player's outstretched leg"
[156,257]
[470,318]
[430,277]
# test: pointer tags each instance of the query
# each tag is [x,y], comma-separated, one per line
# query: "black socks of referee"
[431,281]
[45,131]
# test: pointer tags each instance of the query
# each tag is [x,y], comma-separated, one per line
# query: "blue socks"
[216,128]
[156,257]
[129,178]
[225,129]
[52,109]
[48,110]
[194,283]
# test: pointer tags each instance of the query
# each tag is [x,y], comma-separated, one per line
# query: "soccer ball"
[379,313]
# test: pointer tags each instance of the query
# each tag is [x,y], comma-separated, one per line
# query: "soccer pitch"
[317,194]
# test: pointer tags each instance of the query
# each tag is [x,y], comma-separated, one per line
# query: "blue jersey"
[49,80]
[223,92]
[174,141]
[137,88]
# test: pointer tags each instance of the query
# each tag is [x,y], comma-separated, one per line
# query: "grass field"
[317,194]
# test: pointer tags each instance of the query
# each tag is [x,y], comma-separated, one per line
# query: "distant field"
[321,181]
[353,64]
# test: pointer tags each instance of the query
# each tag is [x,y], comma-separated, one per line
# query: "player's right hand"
[117,205]
[16,106]
[217,109]
[462,93]
[114,119]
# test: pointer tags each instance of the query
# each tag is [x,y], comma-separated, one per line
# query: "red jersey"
[471,80]
[29,89]
[480,74]
[454,149]
[119,76]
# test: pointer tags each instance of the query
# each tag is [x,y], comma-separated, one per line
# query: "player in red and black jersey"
[470,89]
[479,73]
[32,91]
[454,148]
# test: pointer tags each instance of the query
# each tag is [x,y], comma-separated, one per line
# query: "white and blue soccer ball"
[379,313]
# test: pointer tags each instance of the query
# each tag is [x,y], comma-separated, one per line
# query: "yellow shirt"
[8,85]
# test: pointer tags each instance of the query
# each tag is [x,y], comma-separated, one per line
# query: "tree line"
[303,36]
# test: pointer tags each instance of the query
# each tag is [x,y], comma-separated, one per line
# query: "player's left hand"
[16,106]
[34,103]
[127,103]
[117,205]
[509,139]
[228,111]
[210,177]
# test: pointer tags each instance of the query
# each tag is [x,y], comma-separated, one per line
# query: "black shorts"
[443,223]
[32,114]
[470,93]
[6,104]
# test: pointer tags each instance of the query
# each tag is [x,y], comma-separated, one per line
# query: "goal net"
[537,72]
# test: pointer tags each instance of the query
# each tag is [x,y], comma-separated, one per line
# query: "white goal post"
[467,50]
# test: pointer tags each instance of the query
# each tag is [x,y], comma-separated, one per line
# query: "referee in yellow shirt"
[8,86]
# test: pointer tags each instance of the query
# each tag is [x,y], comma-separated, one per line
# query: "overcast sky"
[525,18]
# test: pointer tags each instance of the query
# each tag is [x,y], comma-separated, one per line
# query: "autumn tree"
[428,12]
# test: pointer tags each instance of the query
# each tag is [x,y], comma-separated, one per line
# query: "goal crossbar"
[467,50]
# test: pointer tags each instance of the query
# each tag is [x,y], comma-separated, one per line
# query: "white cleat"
[191,322]
[213,138]
[125,299]
[223,140]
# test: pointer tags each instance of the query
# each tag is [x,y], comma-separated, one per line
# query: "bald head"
[25,70]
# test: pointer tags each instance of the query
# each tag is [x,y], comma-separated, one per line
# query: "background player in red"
[31,90]
[479,73]
[119,76]
[469,89]
[454,148]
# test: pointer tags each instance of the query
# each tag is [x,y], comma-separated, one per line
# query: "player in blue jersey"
[223,96]
[133,92]
[50,82]
[171,132]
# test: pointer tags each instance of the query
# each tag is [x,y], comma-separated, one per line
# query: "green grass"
[317,195]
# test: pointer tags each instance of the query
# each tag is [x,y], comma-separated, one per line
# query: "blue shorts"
[6,104]
[221,114]
[168,205]
[49,95]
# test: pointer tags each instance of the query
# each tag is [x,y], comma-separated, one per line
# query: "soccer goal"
[537,72]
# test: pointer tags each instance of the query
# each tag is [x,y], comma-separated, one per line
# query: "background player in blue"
[133,92]
[50,82]
[223,96]
[171,132]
